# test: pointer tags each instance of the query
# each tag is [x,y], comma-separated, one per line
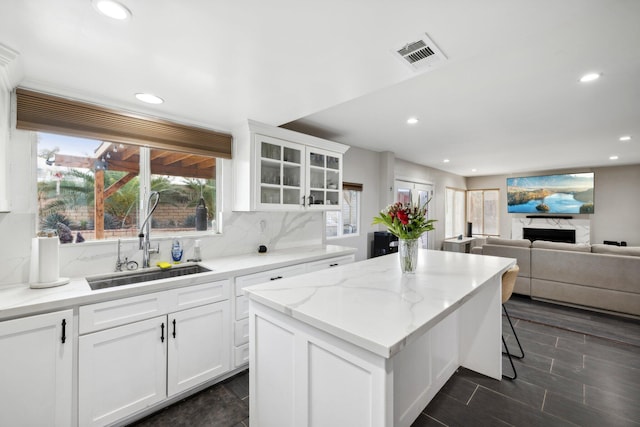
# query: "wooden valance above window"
[351,186]
[46,113]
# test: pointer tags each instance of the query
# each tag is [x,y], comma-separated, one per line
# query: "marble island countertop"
[20,300]
[372,305]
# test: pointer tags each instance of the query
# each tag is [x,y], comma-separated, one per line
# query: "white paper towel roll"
[34,274]
[48,259]
[45,267]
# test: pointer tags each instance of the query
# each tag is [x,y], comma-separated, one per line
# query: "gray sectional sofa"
[596,276]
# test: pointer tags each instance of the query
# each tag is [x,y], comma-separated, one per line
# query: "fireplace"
[579,227]
[550,234]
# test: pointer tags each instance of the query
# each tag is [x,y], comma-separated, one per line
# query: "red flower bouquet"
[406,221]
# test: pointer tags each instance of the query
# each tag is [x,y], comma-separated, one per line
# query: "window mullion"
[145,181]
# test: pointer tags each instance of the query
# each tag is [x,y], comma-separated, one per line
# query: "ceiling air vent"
[421,54]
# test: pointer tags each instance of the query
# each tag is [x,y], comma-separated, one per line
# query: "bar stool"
[508,282]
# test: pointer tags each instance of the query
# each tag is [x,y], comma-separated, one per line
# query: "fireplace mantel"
[582,226]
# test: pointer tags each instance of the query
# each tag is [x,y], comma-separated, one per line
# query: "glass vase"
[408,251]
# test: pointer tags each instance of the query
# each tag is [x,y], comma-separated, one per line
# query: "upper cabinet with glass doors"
[280,173]
[278,169]
[324,178]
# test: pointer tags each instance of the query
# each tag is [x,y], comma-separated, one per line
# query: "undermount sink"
[119,279]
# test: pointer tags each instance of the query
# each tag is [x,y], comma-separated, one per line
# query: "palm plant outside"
[75,189]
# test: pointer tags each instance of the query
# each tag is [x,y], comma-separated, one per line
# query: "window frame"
[144,176]
[454,191]
[482,206]
[357,189]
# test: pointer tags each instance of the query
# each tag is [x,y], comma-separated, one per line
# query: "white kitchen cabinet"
[36,375]
[127,368]
[122,370]
[278,169]
[241,324]
[199,345]
[323,179]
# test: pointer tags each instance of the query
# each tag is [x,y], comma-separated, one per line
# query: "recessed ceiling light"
[613,157]
[112,9]
[625,138]
[474,170]
[446,161]
[149,98]
[412,120]
[590,77]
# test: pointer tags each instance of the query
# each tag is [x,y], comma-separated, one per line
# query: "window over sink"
[82,181]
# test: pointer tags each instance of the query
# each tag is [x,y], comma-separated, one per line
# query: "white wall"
[408,171]
[361,166]
[377,172]
[617,202]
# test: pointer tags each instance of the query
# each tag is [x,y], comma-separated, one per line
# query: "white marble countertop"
[20,300]
[372,305]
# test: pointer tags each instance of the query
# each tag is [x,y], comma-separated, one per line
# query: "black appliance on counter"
[384,243]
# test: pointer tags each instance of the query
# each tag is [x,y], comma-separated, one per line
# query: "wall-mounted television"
[551,194]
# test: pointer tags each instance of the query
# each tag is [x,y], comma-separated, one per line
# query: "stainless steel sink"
[109,281]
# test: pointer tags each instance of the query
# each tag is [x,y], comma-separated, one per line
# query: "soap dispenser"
[197,257]
[176,251]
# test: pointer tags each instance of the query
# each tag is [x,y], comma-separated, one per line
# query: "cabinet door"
[199,343]
[121,371]
[324,179]
[280,174]
[36,370]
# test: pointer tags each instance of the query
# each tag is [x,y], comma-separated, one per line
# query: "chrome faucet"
[145,231]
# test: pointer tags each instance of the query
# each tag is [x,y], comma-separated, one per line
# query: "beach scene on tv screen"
[561,194]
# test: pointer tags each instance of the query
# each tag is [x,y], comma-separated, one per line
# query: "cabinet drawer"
[266,276]
[241,332]
[242,307]
[193,296]
[108,314]
[330,262]
[241,355]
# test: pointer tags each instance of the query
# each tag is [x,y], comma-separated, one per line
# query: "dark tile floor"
[225,404]
[581,368]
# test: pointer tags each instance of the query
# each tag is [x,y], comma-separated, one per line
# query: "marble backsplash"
[243,232]
[16,230]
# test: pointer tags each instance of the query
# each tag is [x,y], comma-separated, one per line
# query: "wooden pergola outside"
[126,158]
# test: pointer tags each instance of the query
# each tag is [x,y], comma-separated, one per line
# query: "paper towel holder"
[41,285]
[35,281]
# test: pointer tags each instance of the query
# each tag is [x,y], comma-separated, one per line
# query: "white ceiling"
[506,101]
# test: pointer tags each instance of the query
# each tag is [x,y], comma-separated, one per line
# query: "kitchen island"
[362,344]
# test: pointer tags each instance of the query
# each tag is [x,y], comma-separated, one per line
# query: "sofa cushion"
[476,250]
[616,250]
[606,299]
[522,243]
[577,247]
[602,271]
[522,255]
